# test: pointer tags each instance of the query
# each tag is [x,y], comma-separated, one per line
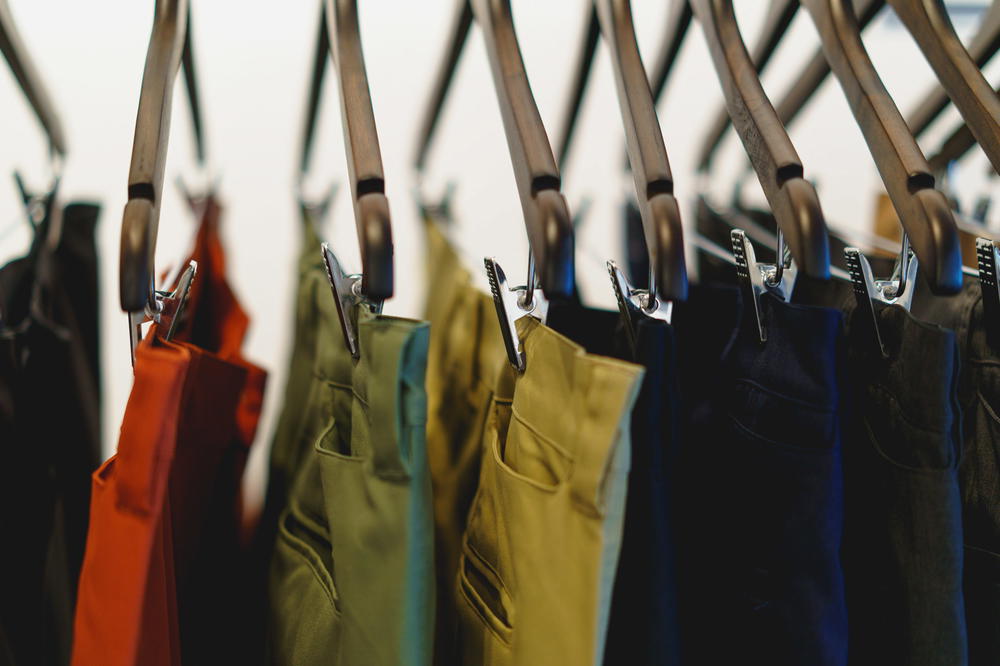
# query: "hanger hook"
[527,298]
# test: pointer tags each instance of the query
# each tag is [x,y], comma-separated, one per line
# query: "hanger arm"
[546,216]
[928,23]
[923,210]
[654,183]
[364,158]
[585,62]
[140,220]
[28,78]
[779,16]
[442,82]
[792,199]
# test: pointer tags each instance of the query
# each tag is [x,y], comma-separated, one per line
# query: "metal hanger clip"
[167,312]
[347,294]
[759,278]
[513,303]
[897,290]
[636,303]
[989,257]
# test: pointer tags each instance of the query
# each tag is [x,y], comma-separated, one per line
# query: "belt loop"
[396,354]
[604,427]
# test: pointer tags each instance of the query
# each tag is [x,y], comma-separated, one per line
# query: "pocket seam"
[502,630]
[306,553]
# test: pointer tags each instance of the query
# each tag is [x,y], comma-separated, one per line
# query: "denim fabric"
[643,626]
[979,471]
[762,479]
[903,529]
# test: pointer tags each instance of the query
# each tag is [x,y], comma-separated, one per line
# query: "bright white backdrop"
[253,60]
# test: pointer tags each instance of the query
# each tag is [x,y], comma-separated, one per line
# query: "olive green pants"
[352,579]
[543,535]
[466,351]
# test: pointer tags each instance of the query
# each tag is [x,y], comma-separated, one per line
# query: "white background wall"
[253,60]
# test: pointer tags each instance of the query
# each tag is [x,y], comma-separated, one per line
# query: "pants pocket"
[304,614]
[483,593]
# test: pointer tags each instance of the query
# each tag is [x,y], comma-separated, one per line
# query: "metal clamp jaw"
[513,303]
[897,290]
[168,309]
[347,294]
[758,278]
[636,303]
[988,255]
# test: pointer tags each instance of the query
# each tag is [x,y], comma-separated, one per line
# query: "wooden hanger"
[650,165]
[923,210]
[546,215]
[340,38]
[140,220]
[771,153]
[21,64]
[792,199]
[779,16]
[983,47]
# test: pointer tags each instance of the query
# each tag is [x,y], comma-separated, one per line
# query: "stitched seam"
[792,448]
[796,401]
[532,429]
[902,414]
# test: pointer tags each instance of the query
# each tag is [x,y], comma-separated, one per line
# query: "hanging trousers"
[351,574]
[50,434]
[541,545]
[465,352]
[761,477]
[161,577]
[979,470]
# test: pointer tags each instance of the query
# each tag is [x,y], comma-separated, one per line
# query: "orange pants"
[161,577]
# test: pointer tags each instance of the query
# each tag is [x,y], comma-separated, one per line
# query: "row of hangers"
[930,237]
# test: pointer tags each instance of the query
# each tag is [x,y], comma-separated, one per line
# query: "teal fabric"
[352,576]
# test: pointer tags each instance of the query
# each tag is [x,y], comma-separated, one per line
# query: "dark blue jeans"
[761,471]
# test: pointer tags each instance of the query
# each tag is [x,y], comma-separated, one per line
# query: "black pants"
[979,470]
[49,435]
